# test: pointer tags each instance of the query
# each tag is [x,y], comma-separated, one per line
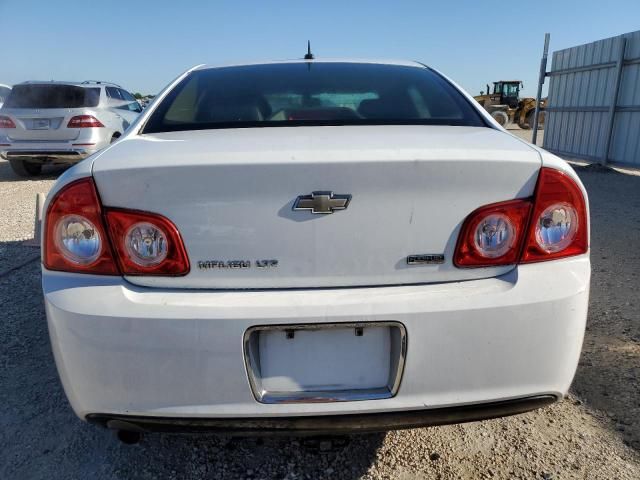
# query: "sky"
[143,45]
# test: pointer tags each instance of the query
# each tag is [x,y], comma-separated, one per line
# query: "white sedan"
[314,246]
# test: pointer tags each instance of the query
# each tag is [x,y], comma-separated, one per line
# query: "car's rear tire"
[25,168]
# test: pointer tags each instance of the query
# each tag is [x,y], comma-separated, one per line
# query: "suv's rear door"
[41,112]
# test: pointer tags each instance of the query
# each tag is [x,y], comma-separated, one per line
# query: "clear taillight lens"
[146,244]
[556,227]
[495,235]
[78,239]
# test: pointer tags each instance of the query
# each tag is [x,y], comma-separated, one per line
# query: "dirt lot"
[593,434]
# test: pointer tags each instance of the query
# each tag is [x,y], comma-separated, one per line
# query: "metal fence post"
[543,74]
[614,102]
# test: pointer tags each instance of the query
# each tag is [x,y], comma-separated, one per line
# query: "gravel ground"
[526,134]
[593,434]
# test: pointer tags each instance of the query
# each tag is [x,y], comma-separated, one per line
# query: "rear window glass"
[52,96]
[290,94]
[123,100]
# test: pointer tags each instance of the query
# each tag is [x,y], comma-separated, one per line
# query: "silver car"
[62,122]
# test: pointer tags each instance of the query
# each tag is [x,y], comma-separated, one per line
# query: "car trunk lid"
[231,194]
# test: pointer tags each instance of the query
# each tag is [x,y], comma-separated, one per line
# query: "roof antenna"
[309,55]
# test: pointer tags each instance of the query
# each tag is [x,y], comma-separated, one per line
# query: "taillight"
[75,236]
[146,243]
[551,225]
[81,237]
[559,225]
[84,121]
[493,235]
[6,122]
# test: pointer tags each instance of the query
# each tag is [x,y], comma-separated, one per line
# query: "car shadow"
[42,437]
[608,376]
[49,172]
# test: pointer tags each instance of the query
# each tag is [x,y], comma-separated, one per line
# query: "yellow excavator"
[506,106]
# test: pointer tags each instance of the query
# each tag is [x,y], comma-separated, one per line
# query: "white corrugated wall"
[581,94]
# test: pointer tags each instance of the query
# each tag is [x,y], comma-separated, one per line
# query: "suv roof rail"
[101,82]
[47,81]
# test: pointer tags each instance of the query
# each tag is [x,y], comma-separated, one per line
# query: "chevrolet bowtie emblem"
[322,202]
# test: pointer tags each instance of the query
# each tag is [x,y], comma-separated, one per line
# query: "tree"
[138,95]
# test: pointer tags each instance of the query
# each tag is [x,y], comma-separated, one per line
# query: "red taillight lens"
[84,121]
[552,225]
[6,122]
[559,225]
[146,243]
[493,235]
[75,237]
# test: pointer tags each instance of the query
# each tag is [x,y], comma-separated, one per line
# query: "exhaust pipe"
[128,437]
[127,433]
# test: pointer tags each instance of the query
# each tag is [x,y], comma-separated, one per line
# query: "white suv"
[61,122]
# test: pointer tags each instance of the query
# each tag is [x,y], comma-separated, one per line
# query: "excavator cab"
[509,92]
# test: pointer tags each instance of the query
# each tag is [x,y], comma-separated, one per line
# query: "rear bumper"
[178,354]
[44,155]
[323,424]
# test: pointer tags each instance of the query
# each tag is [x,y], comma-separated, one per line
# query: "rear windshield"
[291,94]
[52,96]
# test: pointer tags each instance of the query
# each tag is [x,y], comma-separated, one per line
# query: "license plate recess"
[334,362]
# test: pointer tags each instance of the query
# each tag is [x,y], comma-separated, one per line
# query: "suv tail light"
[551,225]
[84,121]
[6,122]
[81,237]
